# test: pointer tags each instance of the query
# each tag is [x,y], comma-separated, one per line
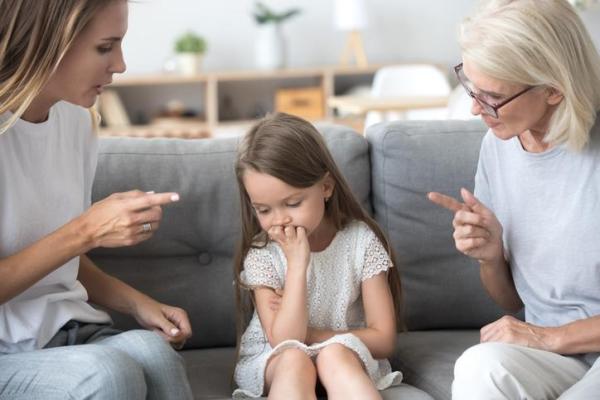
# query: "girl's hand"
[294,243]
[124,219]
[477,231]
[171,323]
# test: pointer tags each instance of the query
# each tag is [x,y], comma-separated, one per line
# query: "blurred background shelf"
[222,103]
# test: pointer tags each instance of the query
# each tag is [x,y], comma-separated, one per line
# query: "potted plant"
[190,48]
[270,44]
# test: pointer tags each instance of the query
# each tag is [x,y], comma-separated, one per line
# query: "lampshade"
[350,15]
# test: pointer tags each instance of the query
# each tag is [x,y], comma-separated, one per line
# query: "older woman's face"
[529,112]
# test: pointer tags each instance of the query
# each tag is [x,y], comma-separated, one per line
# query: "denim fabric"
[88,361]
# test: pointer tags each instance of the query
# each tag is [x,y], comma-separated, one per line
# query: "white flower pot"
[189,63]
[270,47]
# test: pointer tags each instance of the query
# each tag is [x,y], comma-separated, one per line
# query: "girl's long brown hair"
[292,150]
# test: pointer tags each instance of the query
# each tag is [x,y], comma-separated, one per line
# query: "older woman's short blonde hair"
[539,42]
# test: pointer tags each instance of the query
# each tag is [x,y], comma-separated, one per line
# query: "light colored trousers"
[132,365]
[499,371]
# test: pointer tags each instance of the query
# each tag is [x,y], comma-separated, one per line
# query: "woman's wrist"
[83,238]
[494,263]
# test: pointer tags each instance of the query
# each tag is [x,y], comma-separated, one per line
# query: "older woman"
[534,221]
[55,58]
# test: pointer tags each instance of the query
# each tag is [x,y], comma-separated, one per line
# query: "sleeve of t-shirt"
[482,184]
[89,152]
[259,269]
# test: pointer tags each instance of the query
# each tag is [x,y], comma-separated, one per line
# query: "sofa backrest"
[189,260]
[409,159]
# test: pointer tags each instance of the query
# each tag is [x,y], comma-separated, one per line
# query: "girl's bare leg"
[342,373]
[291,375]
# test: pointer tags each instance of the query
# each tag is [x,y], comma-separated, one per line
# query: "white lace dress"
[334,302]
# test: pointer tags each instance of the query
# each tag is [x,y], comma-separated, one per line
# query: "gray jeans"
[88,361]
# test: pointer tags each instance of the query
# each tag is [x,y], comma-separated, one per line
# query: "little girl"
[319,270]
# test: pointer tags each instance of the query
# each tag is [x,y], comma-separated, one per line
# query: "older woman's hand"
[510,330]
[477,231]
[123,219]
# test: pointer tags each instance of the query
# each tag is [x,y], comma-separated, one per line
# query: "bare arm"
[290,320]
[107,291]
[581,336]
[498,282]
[380,333]
[112,222]
[478,234]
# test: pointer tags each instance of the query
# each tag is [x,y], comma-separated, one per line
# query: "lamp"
[351,16]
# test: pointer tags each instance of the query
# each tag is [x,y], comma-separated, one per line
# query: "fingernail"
[150,192]
[175,197]
[174,332]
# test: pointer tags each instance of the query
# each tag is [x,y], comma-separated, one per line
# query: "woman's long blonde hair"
[292,150]
[34,37]
[540,43]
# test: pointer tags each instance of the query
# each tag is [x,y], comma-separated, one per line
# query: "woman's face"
[94,57]
[531,111]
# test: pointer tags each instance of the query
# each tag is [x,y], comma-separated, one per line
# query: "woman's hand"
[294,243]
[477,231]
[511,330]
[171,323]
[124,219]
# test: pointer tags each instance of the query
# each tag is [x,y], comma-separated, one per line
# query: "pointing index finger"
[152,199]
[447,202]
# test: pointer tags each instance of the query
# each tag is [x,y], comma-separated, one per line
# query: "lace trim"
[377,259]
[259,269]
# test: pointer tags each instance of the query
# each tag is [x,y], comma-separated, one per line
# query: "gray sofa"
[188,262]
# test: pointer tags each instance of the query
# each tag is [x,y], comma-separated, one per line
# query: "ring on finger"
[147,227]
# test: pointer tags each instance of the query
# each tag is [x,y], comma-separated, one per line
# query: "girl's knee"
[290,365]
[295,358]
[337,355]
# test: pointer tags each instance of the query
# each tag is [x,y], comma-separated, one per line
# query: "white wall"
[399,30]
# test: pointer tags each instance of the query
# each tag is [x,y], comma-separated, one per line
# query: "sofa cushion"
[409,159]
[189,260]
[427,358]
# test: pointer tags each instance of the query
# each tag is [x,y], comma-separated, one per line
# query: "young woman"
[534,221]
[55,58]
[319,269]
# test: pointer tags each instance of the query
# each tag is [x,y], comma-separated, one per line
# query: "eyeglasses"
[484,100]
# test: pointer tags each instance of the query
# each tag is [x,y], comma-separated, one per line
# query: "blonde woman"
[55,58]
[534,220]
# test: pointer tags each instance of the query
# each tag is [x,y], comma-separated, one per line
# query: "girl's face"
[529,112]
[278,204]
[93,58]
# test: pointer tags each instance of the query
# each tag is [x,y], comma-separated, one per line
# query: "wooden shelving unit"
[251,93]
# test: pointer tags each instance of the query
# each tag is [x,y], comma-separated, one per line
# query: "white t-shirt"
[549,207]
[46,175]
